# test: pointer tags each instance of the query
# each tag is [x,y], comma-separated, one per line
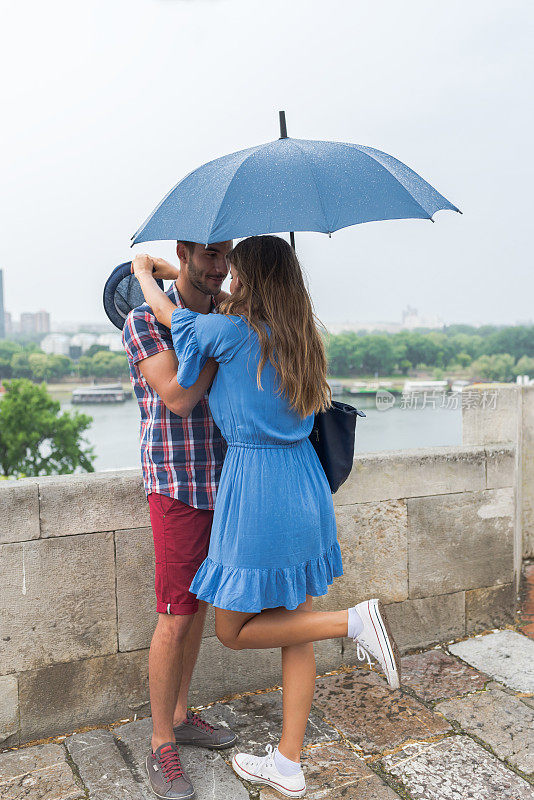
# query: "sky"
[108,103]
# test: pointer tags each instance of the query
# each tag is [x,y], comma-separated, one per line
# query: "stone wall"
[430,531]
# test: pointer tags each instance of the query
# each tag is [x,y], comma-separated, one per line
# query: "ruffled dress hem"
[247,589]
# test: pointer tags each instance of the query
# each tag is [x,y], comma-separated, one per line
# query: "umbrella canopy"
[290,185]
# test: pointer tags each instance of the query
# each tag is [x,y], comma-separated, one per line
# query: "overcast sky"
[108,103]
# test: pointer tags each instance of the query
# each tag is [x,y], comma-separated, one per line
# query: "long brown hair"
[273,292]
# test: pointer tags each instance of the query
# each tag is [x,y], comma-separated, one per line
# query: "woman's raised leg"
[365,623]
[278,627]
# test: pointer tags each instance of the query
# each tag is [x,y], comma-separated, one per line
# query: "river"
[115,429]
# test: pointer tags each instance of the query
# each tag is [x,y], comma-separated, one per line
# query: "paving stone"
[435,674]
[335,772]
[257,720]
[501,720]
[460,541]
[506,655]
[455,768]
[366,710]
[102,767]
[37,773]
[9,709]
[492,607]
[211,776]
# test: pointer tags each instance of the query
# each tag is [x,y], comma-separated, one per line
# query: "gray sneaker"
[197,731]
[166,774]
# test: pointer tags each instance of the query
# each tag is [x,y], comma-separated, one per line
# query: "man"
[182,452]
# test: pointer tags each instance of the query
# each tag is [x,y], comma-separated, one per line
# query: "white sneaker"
[262,769]
[376,639]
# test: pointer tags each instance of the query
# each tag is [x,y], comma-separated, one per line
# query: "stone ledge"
[19,511]
[9,710]
[105,501]
[491,607]
[423,622]
[96,691]
[397,474]
[58,601]
[460,541]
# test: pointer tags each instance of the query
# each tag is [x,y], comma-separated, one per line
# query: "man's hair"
[190,245]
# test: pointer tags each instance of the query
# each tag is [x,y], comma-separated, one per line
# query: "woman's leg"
[298,664]
[278,627]
[298,685]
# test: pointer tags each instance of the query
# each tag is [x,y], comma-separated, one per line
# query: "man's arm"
[159,371]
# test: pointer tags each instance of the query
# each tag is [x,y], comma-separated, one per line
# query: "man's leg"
[165,665]
[181,538]
[193,640]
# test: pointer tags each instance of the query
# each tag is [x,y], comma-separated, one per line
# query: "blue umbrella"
[290,185]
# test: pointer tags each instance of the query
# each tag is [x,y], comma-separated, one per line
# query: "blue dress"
[273,538]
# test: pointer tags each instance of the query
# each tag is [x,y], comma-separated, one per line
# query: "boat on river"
[104,393]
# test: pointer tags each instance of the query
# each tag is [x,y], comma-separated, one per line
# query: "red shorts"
[181,539]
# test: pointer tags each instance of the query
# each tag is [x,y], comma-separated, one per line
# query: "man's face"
[207,266]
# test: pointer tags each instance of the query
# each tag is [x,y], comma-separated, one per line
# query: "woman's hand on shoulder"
[143,264]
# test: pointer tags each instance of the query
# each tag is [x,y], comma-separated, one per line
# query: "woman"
[273,542]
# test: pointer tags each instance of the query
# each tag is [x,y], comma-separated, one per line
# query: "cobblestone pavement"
[454,732]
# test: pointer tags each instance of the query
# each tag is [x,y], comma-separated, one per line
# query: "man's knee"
[173,628]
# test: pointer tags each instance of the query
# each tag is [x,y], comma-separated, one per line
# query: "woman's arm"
[144,267]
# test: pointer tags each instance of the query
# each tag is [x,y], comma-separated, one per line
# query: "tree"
[104,364]
[35,439]
[7,350]
[20,365]
[525,366]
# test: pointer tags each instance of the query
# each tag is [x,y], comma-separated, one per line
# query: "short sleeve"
[141,336]
[196,337]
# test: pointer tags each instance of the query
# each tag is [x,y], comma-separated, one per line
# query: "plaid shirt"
[181,457]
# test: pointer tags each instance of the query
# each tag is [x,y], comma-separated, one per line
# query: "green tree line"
[486,353]
[29,362]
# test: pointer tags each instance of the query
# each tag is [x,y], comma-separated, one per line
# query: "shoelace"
[253,760]
[171,765]
[194,719]
[362,654]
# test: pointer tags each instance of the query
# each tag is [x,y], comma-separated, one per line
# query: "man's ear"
[182,253]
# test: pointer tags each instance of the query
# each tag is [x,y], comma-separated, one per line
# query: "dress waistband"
[265,445]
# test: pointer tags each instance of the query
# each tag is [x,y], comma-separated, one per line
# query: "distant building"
[111,340]
[56,344]
[9,325]
[2,312]
[411,319]
[83,340]
[31,323]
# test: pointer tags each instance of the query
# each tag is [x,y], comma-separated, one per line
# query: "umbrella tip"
[283,126]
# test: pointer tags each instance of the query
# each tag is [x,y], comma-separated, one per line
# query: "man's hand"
[143,264]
